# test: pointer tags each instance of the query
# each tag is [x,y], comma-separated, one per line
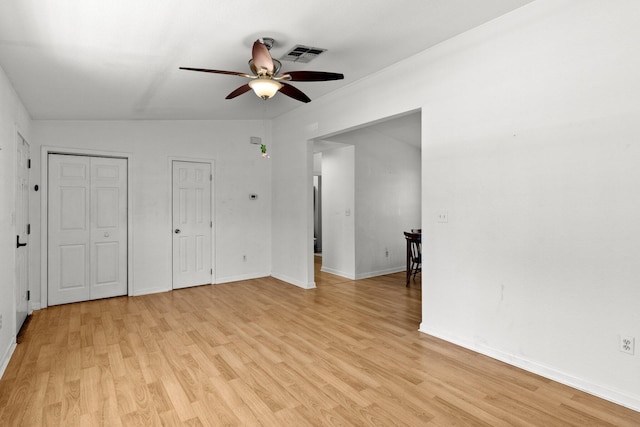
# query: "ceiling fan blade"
[311,76]
[294,93]
[206,70]
[261,57]
[242,89]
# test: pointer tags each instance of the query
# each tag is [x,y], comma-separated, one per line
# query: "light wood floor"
[262,352]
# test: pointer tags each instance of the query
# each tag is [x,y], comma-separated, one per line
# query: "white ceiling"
[119,59]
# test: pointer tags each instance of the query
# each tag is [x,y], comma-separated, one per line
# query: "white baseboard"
[620,398]
[363,275]
[34,306]
[284,278]
[381,272]
[338,273]
[6,357]
[240,277]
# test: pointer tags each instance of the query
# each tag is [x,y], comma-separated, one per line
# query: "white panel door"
[68,225]
[108,227]
[191,224]
[22,225]
[87,227]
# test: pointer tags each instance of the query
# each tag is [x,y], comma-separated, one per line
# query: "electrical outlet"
[443,217]
[627,344]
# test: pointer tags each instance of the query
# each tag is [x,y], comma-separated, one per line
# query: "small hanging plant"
[263,149]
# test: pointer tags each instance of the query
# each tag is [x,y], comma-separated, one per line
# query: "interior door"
[108,221]
[22,230]
[192,224]
[87,223]
[68,225]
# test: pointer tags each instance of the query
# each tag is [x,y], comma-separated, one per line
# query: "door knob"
[177,231]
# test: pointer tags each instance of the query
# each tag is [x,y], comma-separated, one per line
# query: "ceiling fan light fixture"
[265,88]
[266,77]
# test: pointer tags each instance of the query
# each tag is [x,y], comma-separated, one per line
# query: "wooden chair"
[414,254]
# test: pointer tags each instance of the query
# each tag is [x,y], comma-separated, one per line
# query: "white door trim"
[170,161]
[19,217]
[44,231]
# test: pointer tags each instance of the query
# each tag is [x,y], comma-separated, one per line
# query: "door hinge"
[211,225]
[212,271]
[29,164]
[210,177]
[28,295]
[28,228]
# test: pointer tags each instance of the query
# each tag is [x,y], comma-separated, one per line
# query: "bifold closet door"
[87,226]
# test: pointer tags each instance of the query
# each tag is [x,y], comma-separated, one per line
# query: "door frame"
[211,162]
[19,138]
[44,212]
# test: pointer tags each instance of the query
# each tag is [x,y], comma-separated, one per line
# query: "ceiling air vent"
[303,54]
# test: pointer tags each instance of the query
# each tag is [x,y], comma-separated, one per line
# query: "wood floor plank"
[291,417]
[52,415]
[413,411]
[234,401]
[262,352]
[178,397]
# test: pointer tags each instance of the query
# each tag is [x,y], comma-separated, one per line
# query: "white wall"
[530,143]
[292,206]
[388,202]
[317,164]
[338,207]
[241,226]
[13,119]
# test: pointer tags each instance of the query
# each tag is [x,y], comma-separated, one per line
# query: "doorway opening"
[371,193]
[317,215]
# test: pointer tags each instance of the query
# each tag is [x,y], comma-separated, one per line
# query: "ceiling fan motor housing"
[268,42]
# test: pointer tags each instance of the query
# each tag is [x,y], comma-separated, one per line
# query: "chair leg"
[411,270]
[414,269]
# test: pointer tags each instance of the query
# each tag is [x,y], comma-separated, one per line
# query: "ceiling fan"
[266,80]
